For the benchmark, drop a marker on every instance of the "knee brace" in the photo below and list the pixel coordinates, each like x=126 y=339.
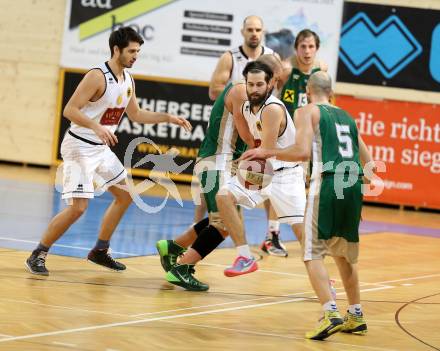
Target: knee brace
x=207 y=241
x=198 y=227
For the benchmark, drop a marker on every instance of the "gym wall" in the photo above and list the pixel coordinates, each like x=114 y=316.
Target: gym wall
x=30 y=41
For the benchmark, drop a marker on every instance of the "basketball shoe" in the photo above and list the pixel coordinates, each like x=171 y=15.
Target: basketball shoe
x=354 y=324
x=168 y=251
x=182 y=275
x=103 y=258
x=331 y=323
x=36 y=263
x=241 y=265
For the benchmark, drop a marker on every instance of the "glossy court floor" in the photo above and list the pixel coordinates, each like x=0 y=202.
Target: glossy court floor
x=82 y=307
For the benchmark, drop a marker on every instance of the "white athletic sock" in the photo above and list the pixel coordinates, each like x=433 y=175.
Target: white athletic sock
x=355 y=309
x=330 y=306
x=274 y=225
x=244 y=251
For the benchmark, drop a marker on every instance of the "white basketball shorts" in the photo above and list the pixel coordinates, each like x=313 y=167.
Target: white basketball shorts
x=85 y=165
x=286 y=193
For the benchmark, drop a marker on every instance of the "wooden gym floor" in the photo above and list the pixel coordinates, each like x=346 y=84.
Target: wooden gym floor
x=81 y=307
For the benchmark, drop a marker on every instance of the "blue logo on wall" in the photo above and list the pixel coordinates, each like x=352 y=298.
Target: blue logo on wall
x=434 y=62
x=390 y=46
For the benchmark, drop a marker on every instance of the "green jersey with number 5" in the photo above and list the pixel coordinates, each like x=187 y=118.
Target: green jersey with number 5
x=336 y=142
x=293 y=94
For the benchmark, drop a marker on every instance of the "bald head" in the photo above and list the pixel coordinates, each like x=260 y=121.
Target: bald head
x=273 y=62
x=320 y=83
x=252 y=20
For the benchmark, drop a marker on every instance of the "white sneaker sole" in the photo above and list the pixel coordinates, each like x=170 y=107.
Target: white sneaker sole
x=106 y=268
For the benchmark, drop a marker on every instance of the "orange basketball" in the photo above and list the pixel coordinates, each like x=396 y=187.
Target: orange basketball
x=255 y=174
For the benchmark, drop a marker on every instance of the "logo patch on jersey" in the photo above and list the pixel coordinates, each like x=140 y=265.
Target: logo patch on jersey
x=112 y=116
x=119 y=100
x=288 y=95
x=259 y=127
x=295 y=76
x=129 y=92
x=111 y=80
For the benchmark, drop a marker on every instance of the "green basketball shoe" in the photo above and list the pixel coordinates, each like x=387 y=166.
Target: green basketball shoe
x=182 y=275
x=168 y=251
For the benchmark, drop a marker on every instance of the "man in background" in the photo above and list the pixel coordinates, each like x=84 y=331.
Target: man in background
x=231 y=64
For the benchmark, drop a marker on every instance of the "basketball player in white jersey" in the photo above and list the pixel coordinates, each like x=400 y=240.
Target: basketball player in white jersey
x=270 y=124
x=95 y=109
x=230 y=68
x=231 y=64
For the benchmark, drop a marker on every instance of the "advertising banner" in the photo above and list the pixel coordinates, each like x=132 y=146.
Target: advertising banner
x=162 y=147
x=406 y=137
x=390 y=46
x=183 y=39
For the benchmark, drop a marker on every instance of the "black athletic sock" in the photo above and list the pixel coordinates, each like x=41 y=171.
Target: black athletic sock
x=102 y=244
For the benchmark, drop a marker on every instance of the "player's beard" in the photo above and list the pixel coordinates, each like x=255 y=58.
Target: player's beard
x=257 y=99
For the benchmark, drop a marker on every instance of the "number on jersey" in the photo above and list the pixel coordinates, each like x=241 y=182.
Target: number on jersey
x=345 y=143
x=302 y=99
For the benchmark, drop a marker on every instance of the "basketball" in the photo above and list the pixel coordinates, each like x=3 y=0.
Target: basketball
x=255 y=174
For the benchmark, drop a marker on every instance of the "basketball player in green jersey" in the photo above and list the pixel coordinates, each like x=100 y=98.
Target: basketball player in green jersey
x=220 y=148
x=334 y=203
x=304 y=63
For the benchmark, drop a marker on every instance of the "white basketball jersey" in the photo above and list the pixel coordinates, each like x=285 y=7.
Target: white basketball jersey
x=239 y=61
x=110 y=107
x=287 y=137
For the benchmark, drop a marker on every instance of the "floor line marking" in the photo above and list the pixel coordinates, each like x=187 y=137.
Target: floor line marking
x=66 y=246
x=148 y=320
x=221 y=304
x=259 y=270
x=218 y=265
x=64 y=307
x=411 y=278
x=247 y=300
x=285 y=273
x=274 y=335
x=371 y=289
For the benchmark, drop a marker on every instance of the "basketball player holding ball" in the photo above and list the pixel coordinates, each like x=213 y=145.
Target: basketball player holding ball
x=215 y=166
x=270 y=124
